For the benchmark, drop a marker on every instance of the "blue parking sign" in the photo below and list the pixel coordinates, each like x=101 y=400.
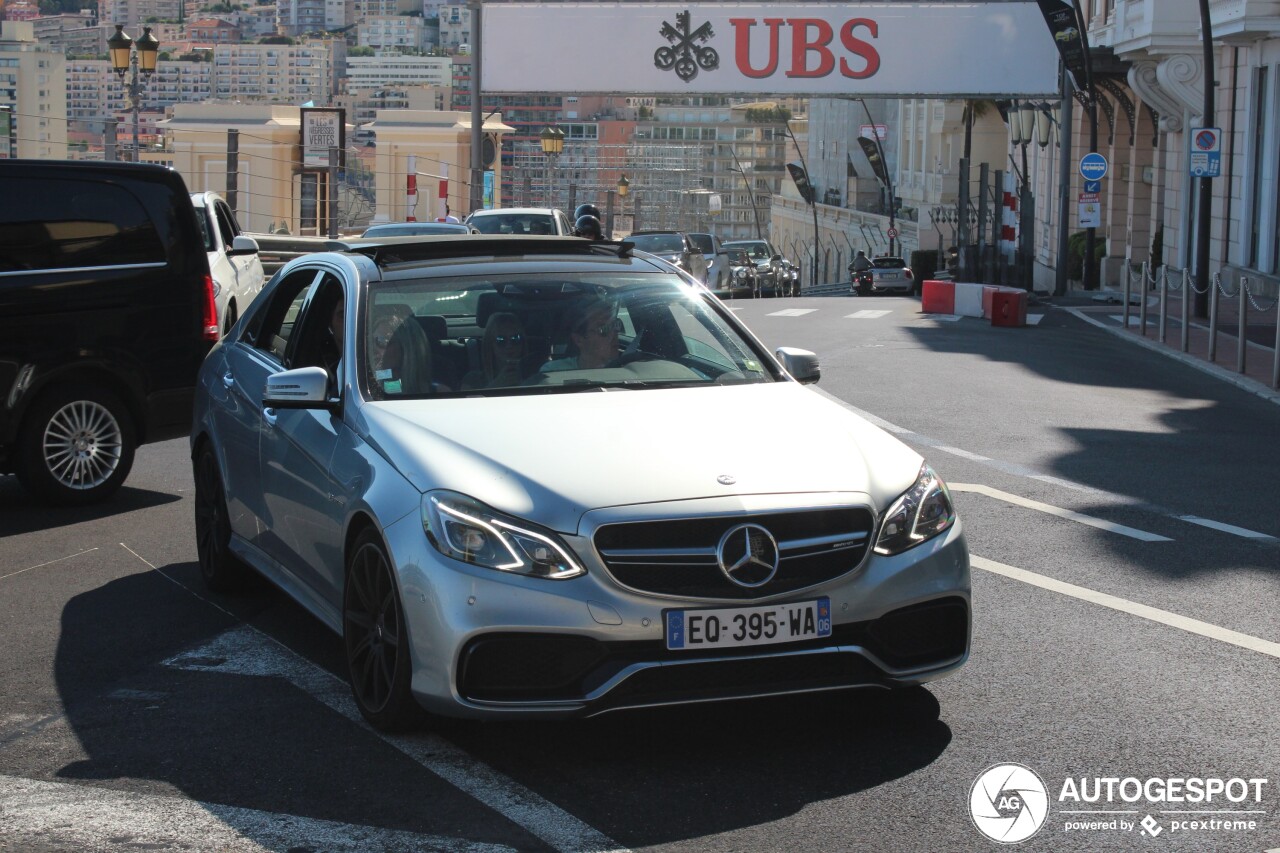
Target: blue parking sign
x=1094 y=187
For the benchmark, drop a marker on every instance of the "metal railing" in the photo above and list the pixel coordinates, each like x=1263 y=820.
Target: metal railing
x=1170 y=279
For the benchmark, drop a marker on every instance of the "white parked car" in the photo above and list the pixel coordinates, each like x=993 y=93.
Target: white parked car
x=522 y=221
x=233 y=258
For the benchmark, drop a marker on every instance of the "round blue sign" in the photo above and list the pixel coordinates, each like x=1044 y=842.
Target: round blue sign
x=1093 y=167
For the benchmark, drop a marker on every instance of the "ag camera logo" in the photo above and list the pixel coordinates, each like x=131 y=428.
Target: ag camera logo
x=1008 y=803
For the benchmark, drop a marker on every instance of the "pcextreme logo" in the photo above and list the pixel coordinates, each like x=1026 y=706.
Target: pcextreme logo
x=1009 y=803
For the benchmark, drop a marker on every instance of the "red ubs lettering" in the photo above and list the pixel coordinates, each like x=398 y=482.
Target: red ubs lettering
x=808 y=36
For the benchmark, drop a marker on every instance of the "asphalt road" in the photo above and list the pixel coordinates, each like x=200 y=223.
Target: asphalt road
x=1121 y=510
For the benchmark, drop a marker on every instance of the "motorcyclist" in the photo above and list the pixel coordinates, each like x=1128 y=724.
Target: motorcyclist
x=860 y=263
x=587 y=209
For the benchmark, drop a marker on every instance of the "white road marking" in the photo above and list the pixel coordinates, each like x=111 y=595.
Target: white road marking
x=795 y=312
x=37 y=813
x=243 y=651
x=963 y=453
x=1034 y=319
x=1164 y=617
x=867 y=314
x=1225 y=528
x=1071 y=515
x=1133 y=320
x=50 y=563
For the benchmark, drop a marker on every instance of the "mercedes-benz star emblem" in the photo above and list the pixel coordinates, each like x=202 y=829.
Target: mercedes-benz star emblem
x=748 y=555
x=726 y=479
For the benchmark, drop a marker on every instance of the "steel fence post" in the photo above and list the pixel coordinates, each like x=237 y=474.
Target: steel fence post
x=1213 y=318
x=1124 y=295
x=1186 y=295
x=1142 y=308
x=1243 y=327
x=1164 y=304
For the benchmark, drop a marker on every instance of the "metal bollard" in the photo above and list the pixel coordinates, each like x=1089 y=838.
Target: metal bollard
x=1142 y=308
x=1213 y=318
x=1186 y=298
x=1243 y=328
x=1124 y=296
x=1164 y=302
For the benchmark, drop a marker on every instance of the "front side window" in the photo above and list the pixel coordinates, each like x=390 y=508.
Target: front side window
x=547 y=333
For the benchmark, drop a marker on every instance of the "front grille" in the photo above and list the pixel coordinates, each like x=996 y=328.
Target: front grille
x=678 y=557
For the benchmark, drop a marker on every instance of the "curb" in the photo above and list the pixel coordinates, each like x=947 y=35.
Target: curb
x=1243 y=382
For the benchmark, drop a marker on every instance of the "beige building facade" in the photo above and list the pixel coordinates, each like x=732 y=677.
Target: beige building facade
x=33 y=84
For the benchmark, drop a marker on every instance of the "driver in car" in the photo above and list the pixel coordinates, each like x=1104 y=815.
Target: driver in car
x=593 y=336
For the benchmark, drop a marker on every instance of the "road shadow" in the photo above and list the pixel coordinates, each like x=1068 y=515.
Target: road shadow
x=249 y=748
x=21 y=513
x=665 y=775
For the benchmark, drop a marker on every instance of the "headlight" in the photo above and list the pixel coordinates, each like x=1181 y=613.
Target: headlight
x=467 y=530
x=922 y=512
x=740 y=273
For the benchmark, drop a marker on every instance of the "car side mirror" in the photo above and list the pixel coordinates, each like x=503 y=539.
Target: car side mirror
x=800 y=363
x=300 y=388
x=242 y=245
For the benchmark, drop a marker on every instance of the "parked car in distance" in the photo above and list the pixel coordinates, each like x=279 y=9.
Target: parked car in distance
x=107 y=310
x=718 y=273
x=522 y=221
x=675 y=247
x=233 y=258
x=742 y=275
x=766 y=258
x=415 y=229
x=887 y=275
x=486 y=549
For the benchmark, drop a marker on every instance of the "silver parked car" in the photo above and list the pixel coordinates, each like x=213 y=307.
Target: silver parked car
x=471 y=458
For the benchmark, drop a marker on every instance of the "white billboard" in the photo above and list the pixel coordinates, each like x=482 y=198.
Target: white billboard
x=991 y=49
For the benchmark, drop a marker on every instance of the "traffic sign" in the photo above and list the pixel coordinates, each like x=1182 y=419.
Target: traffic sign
x=1206 y=152
x=892 y=232
x=1093 y=167
x=1093 y=186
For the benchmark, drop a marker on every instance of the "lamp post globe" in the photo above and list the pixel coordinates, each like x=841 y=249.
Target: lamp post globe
x=120 y=46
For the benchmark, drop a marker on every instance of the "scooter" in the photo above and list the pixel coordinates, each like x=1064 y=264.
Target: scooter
x=861 y=281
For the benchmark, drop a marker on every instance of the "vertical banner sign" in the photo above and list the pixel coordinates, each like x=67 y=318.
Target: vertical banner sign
x=6 y=133
x=488 y=198
x=1061 y=18
x=442 y=194
x=322 y=129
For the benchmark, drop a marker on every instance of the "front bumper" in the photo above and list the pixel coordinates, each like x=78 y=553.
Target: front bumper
x=491 y=645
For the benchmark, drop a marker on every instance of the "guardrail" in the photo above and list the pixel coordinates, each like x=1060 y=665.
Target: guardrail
x=276 y=250
x=1242 y=292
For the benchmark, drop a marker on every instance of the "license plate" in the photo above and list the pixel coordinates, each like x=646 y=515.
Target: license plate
x=762 y=625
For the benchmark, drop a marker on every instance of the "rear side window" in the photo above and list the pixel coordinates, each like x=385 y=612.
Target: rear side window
x=69 y=224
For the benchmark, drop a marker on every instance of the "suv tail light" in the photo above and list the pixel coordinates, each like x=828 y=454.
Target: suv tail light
x=209 y=328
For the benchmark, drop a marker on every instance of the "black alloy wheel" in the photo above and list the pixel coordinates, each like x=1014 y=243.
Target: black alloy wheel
x=221 y=570
x=376 y=641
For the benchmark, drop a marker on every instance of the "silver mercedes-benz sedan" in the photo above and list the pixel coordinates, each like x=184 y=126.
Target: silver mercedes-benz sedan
x=478 y=460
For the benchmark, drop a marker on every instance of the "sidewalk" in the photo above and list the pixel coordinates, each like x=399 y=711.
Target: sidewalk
x=1105 y=309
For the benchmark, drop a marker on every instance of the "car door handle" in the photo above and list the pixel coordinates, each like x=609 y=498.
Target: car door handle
x=228 y=380
x=269 y=415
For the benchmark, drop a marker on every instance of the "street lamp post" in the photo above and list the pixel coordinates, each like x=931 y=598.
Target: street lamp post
x=128 y=56
x=812 y=199
x=552 y=144
x=751 y=196
x=623 y=187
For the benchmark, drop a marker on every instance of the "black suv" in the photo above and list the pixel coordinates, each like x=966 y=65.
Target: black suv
x=106 y=312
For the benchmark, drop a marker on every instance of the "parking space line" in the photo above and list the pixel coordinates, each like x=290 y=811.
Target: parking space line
x=1225 y=528
x=1049 y=509
x=963 y=453
x=867 y=314
x=39 y=812
x=1034 y=319
x=246 y=651
x=1164 y=617
x=50 y=563
x=794 y=312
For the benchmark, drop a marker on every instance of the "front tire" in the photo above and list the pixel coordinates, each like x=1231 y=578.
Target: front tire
x=221 y=570
x=76 y=446
x=377 y=644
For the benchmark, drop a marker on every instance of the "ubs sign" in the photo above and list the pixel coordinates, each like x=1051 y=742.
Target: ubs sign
x=885 y=49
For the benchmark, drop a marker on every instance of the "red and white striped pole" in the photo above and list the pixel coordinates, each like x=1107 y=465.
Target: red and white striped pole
x=442 y=199
x=1009 y=220
x=411 y=189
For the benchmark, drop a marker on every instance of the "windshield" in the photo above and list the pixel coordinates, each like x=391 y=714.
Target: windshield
x=514 y=223
x=755 y=249
x=658 y=244
x=703 y=242
x=547 y=333
x=888 y=263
